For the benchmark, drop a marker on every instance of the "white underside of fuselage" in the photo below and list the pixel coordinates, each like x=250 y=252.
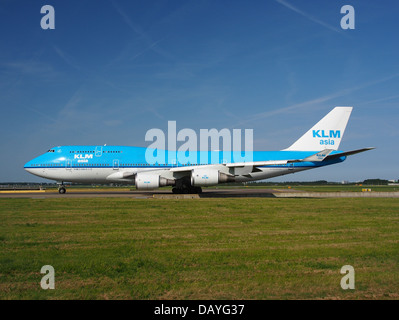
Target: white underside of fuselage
x=110 y=175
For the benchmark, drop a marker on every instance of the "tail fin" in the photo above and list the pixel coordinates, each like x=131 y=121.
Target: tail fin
x=325 y=134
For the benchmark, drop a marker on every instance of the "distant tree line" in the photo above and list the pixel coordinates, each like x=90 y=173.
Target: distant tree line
x=376 y=182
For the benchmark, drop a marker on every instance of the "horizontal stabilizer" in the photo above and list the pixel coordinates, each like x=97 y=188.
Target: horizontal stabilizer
x=348 y=153
x=320 y=156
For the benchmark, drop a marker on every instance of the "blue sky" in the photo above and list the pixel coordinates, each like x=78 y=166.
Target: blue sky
x=113 y=69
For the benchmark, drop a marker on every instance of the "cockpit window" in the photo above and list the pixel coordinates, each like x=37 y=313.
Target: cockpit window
x=51 y=150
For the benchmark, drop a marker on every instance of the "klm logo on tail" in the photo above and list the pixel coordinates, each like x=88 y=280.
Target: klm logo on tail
x=328 y=135
x=325 y=134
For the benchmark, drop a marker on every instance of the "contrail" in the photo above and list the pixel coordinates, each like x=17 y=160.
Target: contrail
x=308 y=16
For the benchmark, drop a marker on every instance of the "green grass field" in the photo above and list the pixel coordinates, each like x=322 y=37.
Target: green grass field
x=247 y=248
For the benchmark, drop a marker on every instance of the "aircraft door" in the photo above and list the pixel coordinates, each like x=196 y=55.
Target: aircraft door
x=116 y=164
x=69 y=165
x=99 y=151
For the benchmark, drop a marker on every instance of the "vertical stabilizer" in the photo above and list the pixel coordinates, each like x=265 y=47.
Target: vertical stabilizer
x=325 y=134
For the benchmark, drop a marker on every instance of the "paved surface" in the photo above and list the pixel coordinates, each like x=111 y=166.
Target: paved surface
x=209 y=193
x=164 y=194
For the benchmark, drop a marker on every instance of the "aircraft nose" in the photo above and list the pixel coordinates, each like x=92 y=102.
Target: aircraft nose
x=31 y=164
x=28 y=166
x=31 y=168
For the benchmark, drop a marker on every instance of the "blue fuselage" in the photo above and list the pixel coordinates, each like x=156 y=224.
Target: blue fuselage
x=96 y=163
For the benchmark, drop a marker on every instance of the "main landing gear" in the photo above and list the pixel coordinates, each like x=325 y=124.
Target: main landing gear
x=187 y=190
x=183 y=186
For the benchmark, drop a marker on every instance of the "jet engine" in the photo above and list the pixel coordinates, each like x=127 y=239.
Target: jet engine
x=148 y=181
x=208 y=177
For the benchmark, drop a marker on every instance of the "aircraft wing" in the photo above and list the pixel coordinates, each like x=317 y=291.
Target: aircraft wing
x=258 y=163
x=319 y=156
x=323 y=155
x=120 y=175
x=189 y=168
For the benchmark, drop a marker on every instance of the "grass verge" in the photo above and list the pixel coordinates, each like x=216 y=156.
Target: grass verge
x=118 y=248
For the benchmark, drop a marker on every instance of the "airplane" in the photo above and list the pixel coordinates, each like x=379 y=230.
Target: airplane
x=318 y=147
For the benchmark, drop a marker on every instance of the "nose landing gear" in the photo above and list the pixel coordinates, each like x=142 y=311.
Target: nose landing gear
x=61 y=188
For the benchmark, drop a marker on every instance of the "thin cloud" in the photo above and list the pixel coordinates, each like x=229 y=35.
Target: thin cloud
x=128 y=21
x=150 y=44
x=308 y=16
x=42 y=114
x=64 y=56
x=150 y=47
x=28 y=68
x=308 y=103
x=316 y=101
x=381 y=99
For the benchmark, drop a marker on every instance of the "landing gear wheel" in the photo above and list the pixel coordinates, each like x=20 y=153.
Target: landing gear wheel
x=62 y=190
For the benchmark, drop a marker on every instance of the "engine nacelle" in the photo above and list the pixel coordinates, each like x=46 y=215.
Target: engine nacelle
x=209 y=177
x=148 y=181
